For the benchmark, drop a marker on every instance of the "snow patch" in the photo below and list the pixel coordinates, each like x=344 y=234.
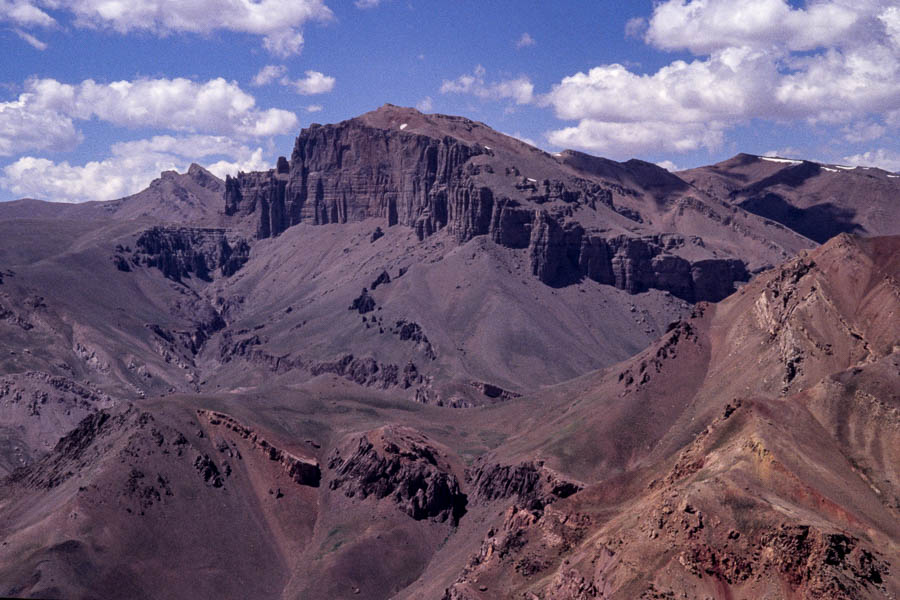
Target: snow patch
x=894 y=176
x=789 y=161
x=829 y=170
x=531 y=180
x=845 y=167
x=402 y=127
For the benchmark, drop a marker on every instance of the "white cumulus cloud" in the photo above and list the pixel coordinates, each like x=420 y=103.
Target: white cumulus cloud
x=425 y=105
x=314 y=83
x=636 y=138
x=25 y=127
x=832 y=61
x=889 y=160
x=130 y=167
x=668 y=165
x=24 y=13
x=278 y=22
x=268 y=74
x=520 y=89
x=703 y=26
x=43 y=116
x=525 y=40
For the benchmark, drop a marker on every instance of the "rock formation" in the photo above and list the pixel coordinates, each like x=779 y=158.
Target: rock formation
x=182 y=252
x=355 y=170
x=403 y=465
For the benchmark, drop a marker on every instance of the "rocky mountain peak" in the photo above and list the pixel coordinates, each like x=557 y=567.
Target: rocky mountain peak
x=204 y=177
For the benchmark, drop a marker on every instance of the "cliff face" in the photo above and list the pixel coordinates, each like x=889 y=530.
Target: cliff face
x=187 y=251
x=349 y=172
x=430 y=180
x=564 y=253
x=404 y=466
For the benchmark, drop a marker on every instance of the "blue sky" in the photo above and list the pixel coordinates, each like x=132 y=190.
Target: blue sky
x=98 y=96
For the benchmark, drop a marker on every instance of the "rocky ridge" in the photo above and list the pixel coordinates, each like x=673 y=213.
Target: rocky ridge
x=403 y=465
x=436 y=181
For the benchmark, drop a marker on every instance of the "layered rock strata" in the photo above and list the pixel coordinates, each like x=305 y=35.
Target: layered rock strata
x=185 y=252
x=353 y=171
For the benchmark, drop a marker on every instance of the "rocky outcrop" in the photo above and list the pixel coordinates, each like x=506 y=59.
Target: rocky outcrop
x=300 y=469
x=404 y=466
x=382 y=279
x=36 y=410
x=350 y=171
x=190 y=252
x=562 y=253
x=531 y=484
x=494 y=392
x=412 y=331
x=69 y=452
x=363 y=303
x=368 y=372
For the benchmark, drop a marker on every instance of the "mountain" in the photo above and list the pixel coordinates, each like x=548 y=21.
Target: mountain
x=459 y=235
x=191 y=197
x=678 y=471
x=579 y=216
x=421 y=358
x=816 y=200
x=750 y=452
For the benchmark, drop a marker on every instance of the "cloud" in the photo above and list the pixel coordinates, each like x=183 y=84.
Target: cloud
x=703 y=26
x=636 y=138
x=525 y=40
x=367 y=3
x=425 y=105
x=729 y=85
x=521 y=90
x=130 y=167
x=863 y=132
x=635 y=27
x=891 y=20
x=786 y=152
x=832 y=62
x=314 y=83
x=284 y=43
x=43 y=117
x=279 y=22
x=268 y=74
x=314 y=108
x=25 y=127
x=668 y=165
x=889 y=160
x=31 y=40
x=24 y=13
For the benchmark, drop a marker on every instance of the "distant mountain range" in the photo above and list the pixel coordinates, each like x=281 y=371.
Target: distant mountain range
x=423 y=359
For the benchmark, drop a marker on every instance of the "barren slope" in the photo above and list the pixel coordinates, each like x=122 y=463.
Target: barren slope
x=772 y=475
x=816 y=200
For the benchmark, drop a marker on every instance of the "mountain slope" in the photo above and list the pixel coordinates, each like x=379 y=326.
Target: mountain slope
x=816 y=200
x=191 y=197
x=680 y=470
x=744 y=484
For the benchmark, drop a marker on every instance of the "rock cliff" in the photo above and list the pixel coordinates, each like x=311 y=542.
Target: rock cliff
x=182 y=252
x=444 y=176
x=403 y=465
